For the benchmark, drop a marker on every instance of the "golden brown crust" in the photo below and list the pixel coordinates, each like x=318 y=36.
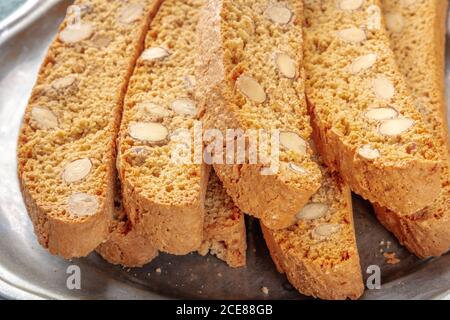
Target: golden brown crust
x=272 y=198
x=161 y=223
x=127 y=247
x=427 y=232
x=71 y=238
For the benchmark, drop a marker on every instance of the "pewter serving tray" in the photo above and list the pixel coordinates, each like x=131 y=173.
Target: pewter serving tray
x=29 y=271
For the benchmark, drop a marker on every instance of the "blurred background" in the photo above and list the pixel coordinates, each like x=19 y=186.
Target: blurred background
x=9 y=6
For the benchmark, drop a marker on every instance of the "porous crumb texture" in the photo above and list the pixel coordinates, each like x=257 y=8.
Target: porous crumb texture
x=250 y=77
x=161 y=196
x=318 y=254
x=368 y=127
x=66 y=144
x=224 y=231
x=420 y=24
x=125 y=246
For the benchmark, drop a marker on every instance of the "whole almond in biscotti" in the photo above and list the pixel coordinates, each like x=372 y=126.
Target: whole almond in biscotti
x=350 y=4
x=131 y=13
x=76 y=170
x=66 y=148
x=155 y=53
x=82 y=204
x=250 y=77
x=369 y=153
x=286 y=65
x=313 y=211
x=363 y=63
x=352 y=35
x=44 y=118
x=163 y=184
x=358 y=97
x=76 y=32
x=148 y=131
x=422 y=25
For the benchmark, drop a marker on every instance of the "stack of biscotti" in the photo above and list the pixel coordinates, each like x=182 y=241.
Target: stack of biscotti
x=224 y=233
x=318 y=251
x=417 y=33
x=66 y=146
x=367 y=126
x=164 y=199
x=248 y=80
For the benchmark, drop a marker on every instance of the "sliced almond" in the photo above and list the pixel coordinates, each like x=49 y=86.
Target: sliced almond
x=296 y=168
x=369 y=153
x=407 y=3
x=130 y=13
x=379 y=114
x=352 y=35
x=286 y=65
x=184 y=107
x=394 y=21
x=155 y=53
x=395 y=127
x=82 y=204
x=44 y=118
x=76 y=170
x=148 y=131
x=64 y=82
x=101 y=40
x=76 y=32
x=278 y=13
x=292 y=141
x=251 y=89
x=363 y=63
x=325 y=231
x=153 y=109
x=313 y=211
x=373 y=17
x=350 y=4
x=383 y=88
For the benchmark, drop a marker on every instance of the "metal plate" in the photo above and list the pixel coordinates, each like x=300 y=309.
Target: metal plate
x=28 y=271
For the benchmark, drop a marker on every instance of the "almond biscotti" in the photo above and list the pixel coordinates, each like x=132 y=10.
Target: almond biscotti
x=164 y=195
x=417 y=32
x=249 y=77
x=66 y=145
x=367 y=125
x=224 y=234
x=319 y=254
x=224 y=230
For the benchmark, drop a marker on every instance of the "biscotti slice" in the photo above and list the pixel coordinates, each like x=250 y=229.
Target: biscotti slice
x=162 y=194
x=367 y=125
x=250 y=78
x=319 y=254
x=224 y=231
x=417 y=33
x=224 y=234
x=66 y=146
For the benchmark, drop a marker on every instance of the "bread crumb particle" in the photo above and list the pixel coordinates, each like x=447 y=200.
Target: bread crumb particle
x=391 y=258
x=158 y=270
x=265 y=290
x=219 y=275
